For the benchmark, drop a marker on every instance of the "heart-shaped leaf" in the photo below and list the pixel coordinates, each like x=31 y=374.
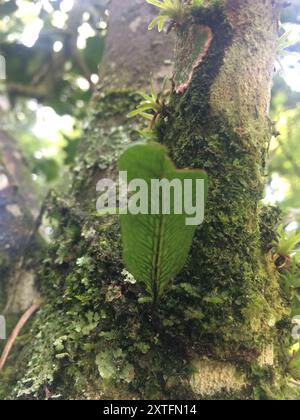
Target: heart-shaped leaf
x=156 y=246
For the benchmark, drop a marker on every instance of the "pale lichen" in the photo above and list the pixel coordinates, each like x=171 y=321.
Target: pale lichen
x=214 y=378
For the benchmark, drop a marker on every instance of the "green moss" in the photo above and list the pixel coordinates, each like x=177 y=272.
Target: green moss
x=270 y=218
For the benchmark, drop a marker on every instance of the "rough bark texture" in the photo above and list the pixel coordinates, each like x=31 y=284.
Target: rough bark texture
x=221 y=329
x=18 y=210
x=131 y=57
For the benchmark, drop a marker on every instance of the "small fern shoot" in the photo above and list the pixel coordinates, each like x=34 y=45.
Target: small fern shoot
x=288 y=242
x=287 y=249
x=284 y=42
x=173 y=11
x=153 y=106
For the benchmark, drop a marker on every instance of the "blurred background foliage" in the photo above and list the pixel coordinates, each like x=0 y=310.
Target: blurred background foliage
x=53 y=49
x=284 y=169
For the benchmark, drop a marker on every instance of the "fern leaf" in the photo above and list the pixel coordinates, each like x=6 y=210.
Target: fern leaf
x=159 y=4
x=288 y=242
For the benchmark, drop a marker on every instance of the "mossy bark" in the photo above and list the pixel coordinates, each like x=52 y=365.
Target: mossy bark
x=219 y=331
x=221 y=124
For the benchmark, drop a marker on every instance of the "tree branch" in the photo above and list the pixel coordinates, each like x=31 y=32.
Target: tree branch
x=16 y=332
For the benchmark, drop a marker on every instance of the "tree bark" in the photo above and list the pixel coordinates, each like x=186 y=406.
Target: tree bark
x=221 y=124
x=18 y=210
x=219 y=332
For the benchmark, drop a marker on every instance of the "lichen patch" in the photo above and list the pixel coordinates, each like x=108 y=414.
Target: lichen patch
x=267 y=356
x=212 y=378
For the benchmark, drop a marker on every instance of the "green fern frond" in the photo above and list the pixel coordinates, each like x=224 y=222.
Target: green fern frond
x=170 y=10
x=153 y=105
x=197 y=3
x=284 y=42
x=287 y=244
x=291 y=277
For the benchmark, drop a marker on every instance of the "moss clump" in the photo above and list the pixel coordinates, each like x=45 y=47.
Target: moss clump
x=270 y=218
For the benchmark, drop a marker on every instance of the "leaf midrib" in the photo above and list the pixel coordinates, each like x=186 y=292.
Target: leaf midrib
x=158 y=246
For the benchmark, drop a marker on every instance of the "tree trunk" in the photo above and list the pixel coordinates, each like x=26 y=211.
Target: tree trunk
x=219 y=332
x=18 y=210
x=221 y=124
